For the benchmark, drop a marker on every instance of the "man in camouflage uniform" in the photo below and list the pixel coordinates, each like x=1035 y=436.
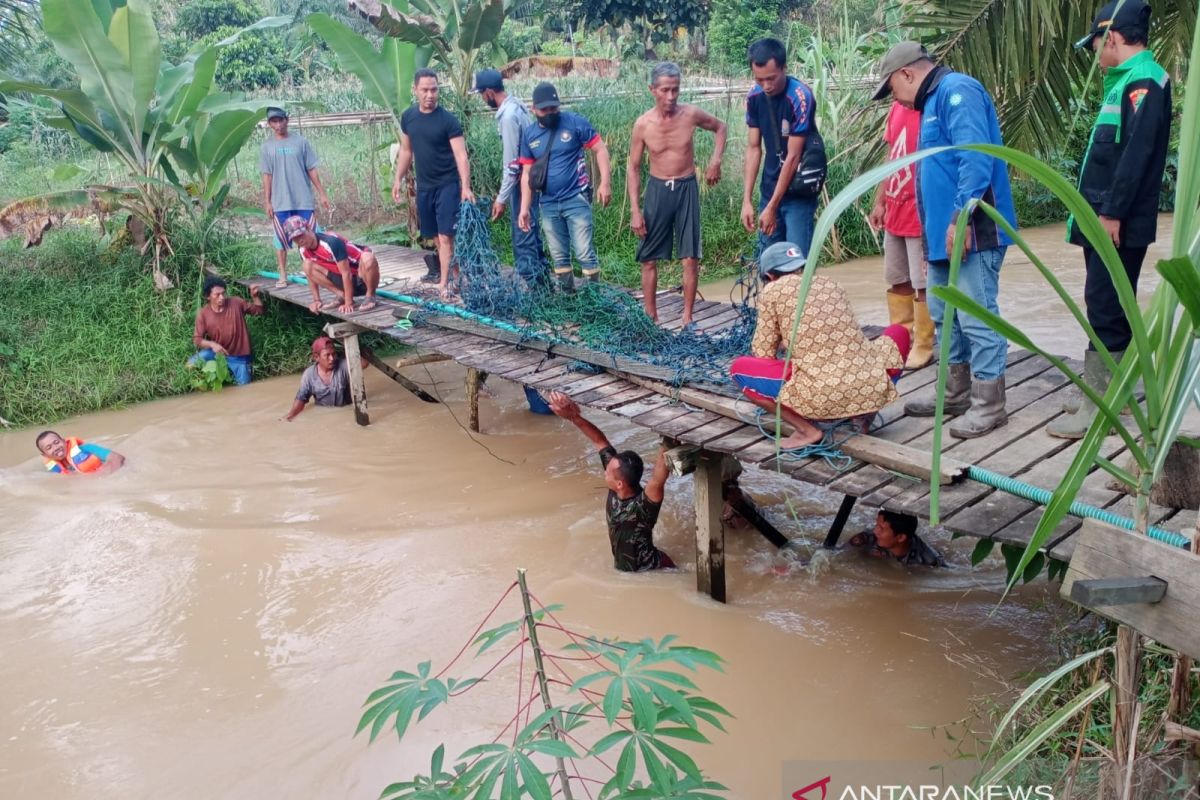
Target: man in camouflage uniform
x=631 y=510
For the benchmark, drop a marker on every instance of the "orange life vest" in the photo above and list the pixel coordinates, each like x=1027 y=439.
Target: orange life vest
x=76 y=461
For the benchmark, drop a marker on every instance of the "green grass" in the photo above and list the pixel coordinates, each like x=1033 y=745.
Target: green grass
x=84 y=329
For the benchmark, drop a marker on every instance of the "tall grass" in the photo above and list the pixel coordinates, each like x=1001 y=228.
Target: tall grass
x=84 y=329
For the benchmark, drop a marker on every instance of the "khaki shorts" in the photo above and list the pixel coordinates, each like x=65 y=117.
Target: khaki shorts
x=903 y=260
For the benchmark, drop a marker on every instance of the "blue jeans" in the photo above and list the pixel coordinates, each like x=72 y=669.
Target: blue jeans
x=529 y=259
x=567 y=225
x=971 y=341
x=239 y=366
x=794 y=223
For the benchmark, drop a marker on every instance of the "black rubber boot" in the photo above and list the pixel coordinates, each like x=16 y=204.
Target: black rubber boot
x=433 y=269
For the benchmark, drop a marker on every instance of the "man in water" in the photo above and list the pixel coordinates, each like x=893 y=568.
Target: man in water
x=333 y=262
x=73 y=456
x=630 y=509
x=553 y=148
x=1121 y=178
x=667 y=133
x=327 y=379
x=512 y=117
x=433 y=137
x=288 y=164
x=895 y=536
x=221 y=328
x=956 y=109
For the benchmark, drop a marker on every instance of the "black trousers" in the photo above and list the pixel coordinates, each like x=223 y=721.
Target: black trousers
x=1104 y=310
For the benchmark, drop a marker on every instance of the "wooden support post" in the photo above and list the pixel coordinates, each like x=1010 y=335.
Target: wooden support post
x=681 y=460
x=474 y=381
x=358 y=388
x=1180 y=704
x=710 y=530
x=839 y=522
x=1125 y=694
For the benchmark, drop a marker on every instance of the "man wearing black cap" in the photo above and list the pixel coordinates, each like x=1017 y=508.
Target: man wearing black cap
x=555 y=168
x=511 y=118
x=957 y=110
x=433 y=137
x=288 y=165
x=1121 y=178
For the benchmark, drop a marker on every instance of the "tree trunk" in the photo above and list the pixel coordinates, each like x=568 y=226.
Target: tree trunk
x=1125 y=695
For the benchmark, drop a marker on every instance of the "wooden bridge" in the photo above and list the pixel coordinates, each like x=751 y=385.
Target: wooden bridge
x=706 y=420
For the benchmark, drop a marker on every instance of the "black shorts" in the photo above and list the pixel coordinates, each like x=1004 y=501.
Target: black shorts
x=437 y=209
x=672 y=212
x=335 y=277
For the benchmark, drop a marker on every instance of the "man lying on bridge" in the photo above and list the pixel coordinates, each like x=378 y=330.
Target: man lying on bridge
x=73 y=456
x=327 y=379
x=835 y=372
x=631 y=510
x=333 y=262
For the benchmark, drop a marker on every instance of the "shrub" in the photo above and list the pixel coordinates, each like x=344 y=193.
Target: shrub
x=735 y=24
x=198 y=18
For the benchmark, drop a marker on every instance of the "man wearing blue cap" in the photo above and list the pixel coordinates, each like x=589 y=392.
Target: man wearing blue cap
x=288 y=164
x=1121 y=178
x=511 y=117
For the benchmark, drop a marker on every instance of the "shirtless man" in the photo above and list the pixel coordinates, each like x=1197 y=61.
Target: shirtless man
x=672 y=194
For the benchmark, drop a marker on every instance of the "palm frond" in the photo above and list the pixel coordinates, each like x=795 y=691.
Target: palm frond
x=1023 y=52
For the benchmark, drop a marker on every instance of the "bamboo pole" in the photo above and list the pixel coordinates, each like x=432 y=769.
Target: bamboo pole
x=543 y=685
x=474 y=381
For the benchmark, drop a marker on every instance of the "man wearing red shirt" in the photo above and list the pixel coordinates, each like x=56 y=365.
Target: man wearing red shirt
x=336 y=264
x=895 y=213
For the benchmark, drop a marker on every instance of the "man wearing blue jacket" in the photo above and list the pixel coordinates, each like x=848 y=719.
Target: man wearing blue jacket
x=957 y=110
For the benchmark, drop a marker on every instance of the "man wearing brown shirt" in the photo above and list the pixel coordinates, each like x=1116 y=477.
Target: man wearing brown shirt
x=221 y=328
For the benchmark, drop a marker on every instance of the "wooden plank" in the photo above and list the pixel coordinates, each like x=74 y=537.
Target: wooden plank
x=1105 y=551
x=1124 y=591
x=358 y=388
x=621 y=398
x=638 y=407
x=677 y=427
x=424 y=358
x=710 y=530
x=707 y=432
x=655 y=418
x=386 y=369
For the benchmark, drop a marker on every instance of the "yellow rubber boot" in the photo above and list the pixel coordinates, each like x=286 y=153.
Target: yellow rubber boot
x=923 y=336
x=900 y=309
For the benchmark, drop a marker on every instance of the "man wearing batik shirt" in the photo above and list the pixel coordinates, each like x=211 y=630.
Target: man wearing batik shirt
x=630 y=509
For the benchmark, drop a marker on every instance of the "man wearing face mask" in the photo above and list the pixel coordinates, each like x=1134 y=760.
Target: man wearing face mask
x=555 y=169
x=957 y=110
x=511 y=118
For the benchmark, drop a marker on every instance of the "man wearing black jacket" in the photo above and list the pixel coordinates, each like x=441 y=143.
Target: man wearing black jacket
x=1121 y=178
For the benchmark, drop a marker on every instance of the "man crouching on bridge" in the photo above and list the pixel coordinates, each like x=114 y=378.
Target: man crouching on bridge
x=631 y=510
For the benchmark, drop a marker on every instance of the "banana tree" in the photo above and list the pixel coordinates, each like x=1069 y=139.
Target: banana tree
x=163 y=122
x=386 y=74
x=451 y=31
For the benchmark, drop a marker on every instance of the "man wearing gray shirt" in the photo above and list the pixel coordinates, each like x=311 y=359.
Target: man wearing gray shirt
x=529 y=258
x=327 y=379
x=288 y=164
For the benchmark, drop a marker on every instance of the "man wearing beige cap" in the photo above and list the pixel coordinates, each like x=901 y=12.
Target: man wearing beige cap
x=957 y=110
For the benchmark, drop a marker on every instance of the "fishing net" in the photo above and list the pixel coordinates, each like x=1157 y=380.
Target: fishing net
x=597 y=316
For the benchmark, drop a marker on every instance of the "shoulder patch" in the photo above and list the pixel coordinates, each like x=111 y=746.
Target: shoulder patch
x=956 y=99
x=1136 y=96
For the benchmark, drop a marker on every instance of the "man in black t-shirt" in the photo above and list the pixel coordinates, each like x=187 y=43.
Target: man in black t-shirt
x=434 y=137
x=631 y=510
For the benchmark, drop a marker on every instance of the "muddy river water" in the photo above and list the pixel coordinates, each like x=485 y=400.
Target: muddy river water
x=207 y=622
